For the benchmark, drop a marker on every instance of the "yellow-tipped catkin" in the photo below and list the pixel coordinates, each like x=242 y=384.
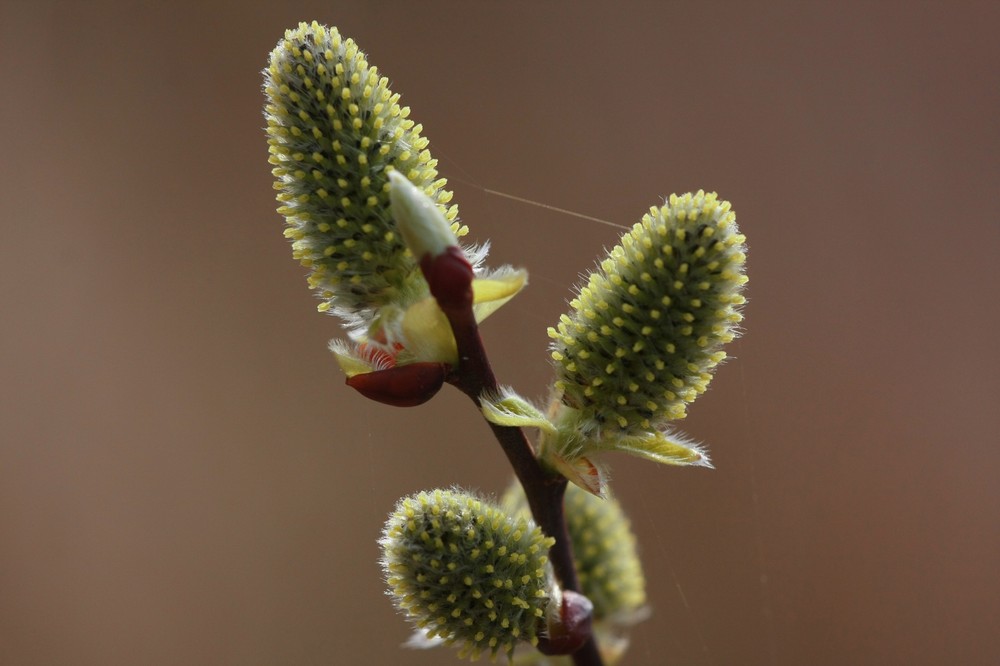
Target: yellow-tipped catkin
x=466 y=572
x=646 y=330
x=335 y=130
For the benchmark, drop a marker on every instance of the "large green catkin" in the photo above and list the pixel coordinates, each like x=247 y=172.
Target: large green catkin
x=467 y=572
x=645 y=331
x=334 y=131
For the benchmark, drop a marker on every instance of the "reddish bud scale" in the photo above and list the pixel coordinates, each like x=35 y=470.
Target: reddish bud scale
x=573 y=628
x=449 y=276
x=402 y=386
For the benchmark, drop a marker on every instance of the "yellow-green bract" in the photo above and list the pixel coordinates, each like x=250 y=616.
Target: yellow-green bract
x=466 y=572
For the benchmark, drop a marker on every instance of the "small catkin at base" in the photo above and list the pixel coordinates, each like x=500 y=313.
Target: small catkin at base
x=466 y=572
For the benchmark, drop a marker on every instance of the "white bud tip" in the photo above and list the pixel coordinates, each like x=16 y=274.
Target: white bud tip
x=424 y=227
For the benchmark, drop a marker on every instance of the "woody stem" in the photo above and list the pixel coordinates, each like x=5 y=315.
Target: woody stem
x=544 y=489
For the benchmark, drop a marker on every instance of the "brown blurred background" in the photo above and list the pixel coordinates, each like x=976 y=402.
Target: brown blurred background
x=184 y=479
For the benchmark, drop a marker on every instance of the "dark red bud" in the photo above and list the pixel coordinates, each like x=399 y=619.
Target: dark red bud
x=572 y=630
x=449 y=276
x=402 y=386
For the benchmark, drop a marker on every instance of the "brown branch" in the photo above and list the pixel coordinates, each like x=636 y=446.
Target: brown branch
x=543 y=489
